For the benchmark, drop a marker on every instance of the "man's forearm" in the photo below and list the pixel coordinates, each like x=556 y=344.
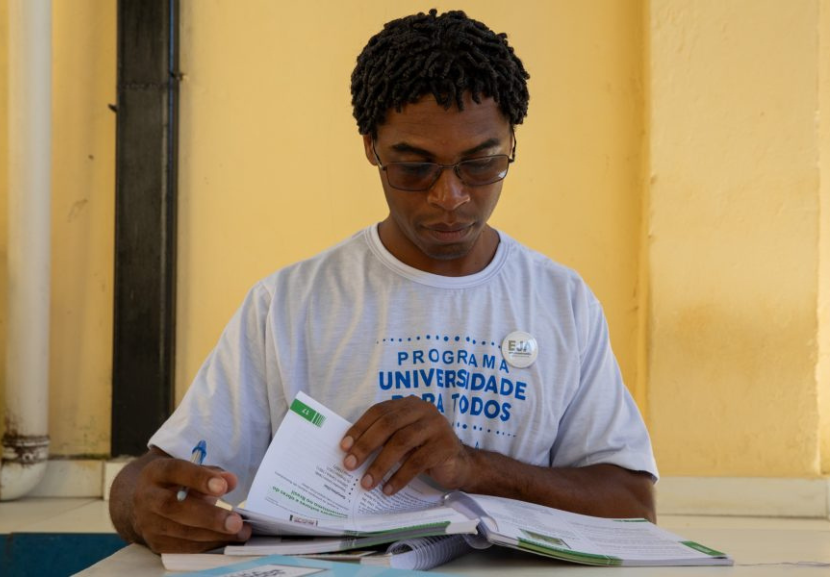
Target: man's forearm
x=599 y=490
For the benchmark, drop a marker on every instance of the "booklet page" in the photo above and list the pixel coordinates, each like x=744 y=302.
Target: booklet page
x=517 y=522
x=302 y=480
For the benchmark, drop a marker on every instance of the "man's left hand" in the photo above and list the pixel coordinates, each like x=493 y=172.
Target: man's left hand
x=411 y=432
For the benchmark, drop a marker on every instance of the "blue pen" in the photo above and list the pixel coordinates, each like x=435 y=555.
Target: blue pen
x=197 y=456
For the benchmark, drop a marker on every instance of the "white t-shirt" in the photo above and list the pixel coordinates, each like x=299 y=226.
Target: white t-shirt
x=353 y=326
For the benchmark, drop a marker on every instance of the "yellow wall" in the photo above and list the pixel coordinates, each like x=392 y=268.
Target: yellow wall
x=4 y=205
x=83 y=181
x=272 y=166
x=672 y=154
x=83 y=193
x=823 y=366
x=733 y=241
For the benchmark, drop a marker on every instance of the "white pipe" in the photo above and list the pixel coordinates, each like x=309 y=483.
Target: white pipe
x=26 y=441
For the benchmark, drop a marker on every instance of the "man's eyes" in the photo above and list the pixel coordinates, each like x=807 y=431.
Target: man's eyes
x=415 y=168
x=479 y=164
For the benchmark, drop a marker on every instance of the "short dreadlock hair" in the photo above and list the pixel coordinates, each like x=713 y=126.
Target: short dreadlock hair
x=445 y=56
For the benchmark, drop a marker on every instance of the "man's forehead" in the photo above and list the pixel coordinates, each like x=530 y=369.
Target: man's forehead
x=427 y=115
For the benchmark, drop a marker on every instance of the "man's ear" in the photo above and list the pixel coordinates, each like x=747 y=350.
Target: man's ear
x=367 y=148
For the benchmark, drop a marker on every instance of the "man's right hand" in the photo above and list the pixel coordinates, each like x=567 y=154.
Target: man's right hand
x=144 y=507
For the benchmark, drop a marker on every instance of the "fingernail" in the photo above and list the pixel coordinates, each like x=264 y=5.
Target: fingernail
x=233 y=524
x=346 y=443
x=366 y=481
x=350 y=462
x=216 y=485
x=387 y=489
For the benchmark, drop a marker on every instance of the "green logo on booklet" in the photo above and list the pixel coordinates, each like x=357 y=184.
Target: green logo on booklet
x=308 y=413
x=703 y=549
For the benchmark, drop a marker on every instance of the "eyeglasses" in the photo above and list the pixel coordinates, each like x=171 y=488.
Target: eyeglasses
x=420 y=176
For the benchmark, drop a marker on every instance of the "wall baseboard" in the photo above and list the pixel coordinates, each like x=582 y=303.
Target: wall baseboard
x=733 y=496
x=744 y=496
x=67 y=478
x=70 y=478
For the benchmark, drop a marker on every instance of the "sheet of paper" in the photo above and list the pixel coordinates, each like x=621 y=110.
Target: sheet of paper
x=302 y=480
x=272 y=570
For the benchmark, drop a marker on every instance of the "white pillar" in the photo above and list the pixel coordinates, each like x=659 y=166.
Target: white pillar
x=25 y=443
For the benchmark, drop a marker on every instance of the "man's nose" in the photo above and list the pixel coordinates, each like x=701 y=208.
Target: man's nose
x=448 y=192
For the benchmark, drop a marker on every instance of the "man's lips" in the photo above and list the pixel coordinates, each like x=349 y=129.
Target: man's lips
x=448 y=233
x=443 y=227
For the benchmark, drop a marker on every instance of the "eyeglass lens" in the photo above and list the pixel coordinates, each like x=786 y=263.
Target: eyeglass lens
x=472 y=172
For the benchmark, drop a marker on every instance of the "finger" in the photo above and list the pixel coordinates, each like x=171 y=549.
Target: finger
x=377 y=426
x=418 y=461
x=397 y=450
x=210 y=499
x=172 y=528
x=213 y=499
x=180 y=473
x=234 y=529
x=231 y=479
x=405 y=407
x=193 y=513
x=363 y=423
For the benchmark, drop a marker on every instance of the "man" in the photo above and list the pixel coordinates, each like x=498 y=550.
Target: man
x=457 y=352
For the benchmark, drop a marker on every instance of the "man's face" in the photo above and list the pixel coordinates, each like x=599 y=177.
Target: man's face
x=441 y=230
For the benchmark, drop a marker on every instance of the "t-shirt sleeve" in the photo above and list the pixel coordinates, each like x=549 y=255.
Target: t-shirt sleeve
x=227 y=404
x=602 y=423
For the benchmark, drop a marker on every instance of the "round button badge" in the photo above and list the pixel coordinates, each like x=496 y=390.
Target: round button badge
x=520 y=349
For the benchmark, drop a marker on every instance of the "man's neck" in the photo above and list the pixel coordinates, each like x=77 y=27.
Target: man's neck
x=476 y=260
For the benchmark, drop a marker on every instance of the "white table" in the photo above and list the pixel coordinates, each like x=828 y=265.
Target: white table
x=762 y=550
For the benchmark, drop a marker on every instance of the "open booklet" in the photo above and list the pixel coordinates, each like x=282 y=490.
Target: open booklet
x=302 y=489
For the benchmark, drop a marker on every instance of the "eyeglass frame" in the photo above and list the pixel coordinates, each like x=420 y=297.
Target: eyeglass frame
x=511 y=158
